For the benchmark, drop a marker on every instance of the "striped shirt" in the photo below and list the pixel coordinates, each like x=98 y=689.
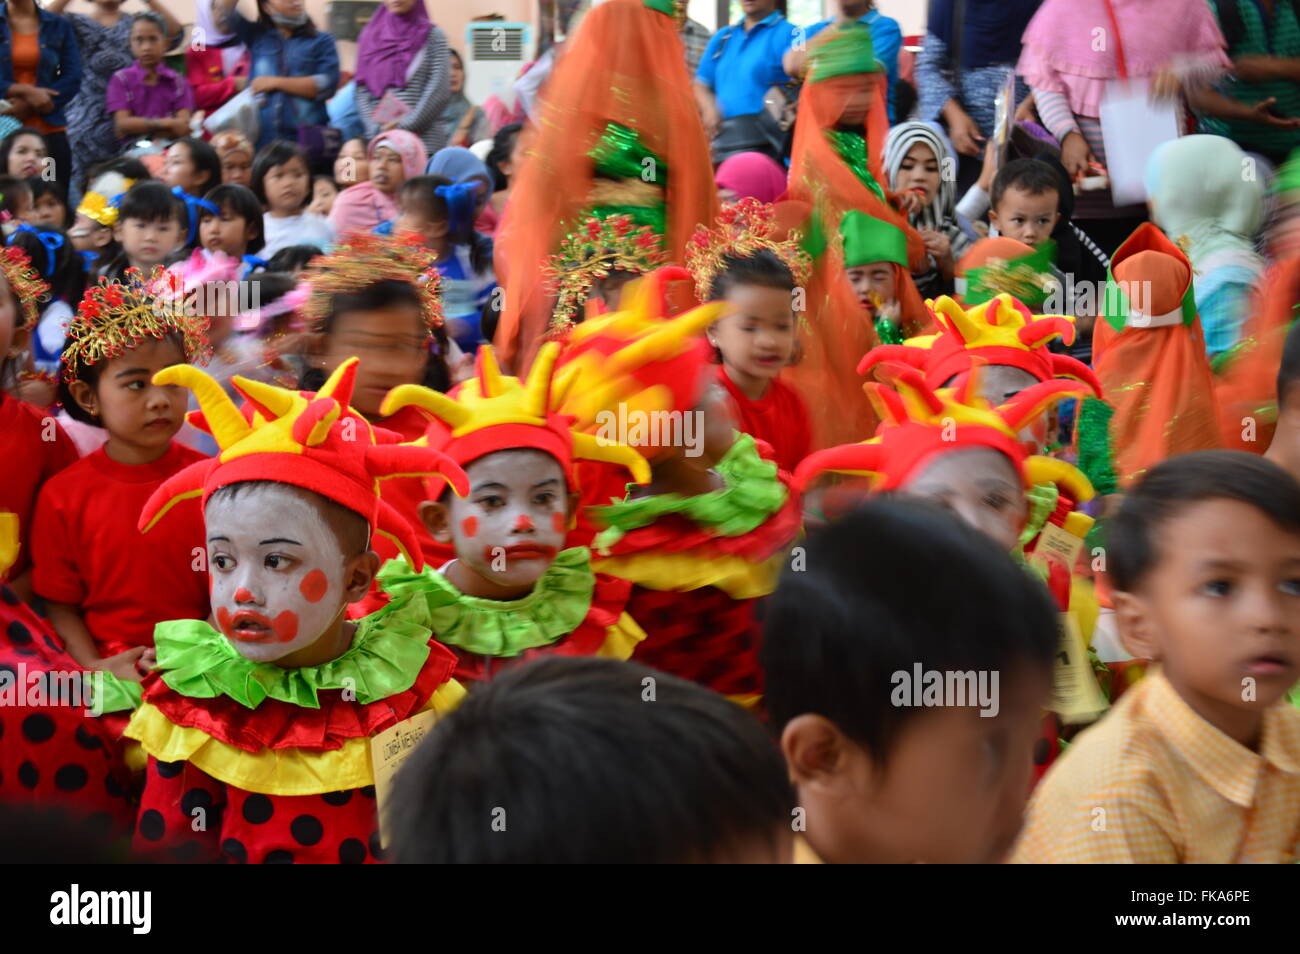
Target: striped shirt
x=1153 y=783
x=1279 y=36
x=426 y=91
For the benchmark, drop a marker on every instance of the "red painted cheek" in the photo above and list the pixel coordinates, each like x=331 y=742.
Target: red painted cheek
x=223 y=619
x=285 y=626
x=314 y=586
x=558 y=523
x=469 y=526
x=243 y=596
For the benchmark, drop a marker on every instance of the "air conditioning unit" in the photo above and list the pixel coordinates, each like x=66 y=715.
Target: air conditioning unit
x=495 y=53
x=347 y=18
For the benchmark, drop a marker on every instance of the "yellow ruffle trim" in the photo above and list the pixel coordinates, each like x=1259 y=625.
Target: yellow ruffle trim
x=682 y=572
x=270 y=771
x=621 y=639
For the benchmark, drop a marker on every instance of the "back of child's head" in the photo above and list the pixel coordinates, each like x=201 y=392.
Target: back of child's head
x=238 y=200
x=293 y=258
x=55 y=260
x=47 y=191
x=127 y=166
x=436 y=198
x=151 y=201
x=15 y=195
x=418 y=196
x=763 y=268
x=892 y=585
x=1173 y=486
x=1032 y=176
x=586 y=760
x=276 y=153
x=1288 y=372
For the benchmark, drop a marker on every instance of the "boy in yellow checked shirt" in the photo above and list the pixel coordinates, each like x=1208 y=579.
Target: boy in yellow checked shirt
x=1200 y=761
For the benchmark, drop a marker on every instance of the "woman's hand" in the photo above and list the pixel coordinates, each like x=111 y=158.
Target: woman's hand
x=1027 y=112
x=1075 y=155
x=911 y=202
x=265 y=84
x=966 y=136
x=1261 y=112
x=940 y=247
x=38 y=98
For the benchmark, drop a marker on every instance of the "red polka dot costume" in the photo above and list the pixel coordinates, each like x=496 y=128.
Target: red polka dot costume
x=250 y=762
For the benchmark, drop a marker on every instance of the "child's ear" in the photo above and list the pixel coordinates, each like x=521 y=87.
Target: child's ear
x=117 y=231
x=1136 y=632
x=359 y=574
x=85 y=397
x=440 y=229
x=102 y=237
x=815 y=751
x=993 y=219
x=19 y=342
x=436 y=518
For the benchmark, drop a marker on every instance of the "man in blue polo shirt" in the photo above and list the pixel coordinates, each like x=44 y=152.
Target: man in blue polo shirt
x=886 y=39
x=740 y=63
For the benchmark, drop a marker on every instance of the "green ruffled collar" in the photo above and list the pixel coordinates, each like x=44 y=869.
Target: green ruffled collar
x=852 y=148
x=387 y=653
x=557 y=605
x=751 y=493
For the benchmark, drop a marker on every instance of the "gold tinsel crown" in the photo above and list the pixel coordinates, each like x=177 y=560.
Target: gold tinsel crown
x=115 y=317
x=363 y=259
x=741 y=230
x=591 y=252
x=24 y=282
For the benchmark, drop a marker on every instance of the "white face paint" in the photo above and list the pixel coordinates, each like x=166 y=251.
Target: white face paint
x=276 y=568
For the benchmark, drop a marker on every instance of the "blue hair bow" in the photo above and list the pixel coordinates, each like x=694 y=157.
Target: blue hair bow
x=88 y=259
x=52 y=241
x=253 y=263
x=190 y=202
x=461 y=198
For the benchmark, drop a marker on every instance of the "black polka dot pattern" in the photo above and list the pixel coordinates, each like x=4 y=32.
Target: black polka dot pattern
x=352 y=852
x=87 y=739
x=170 y=769
x=151 y=827
x=38 y=727
x=196 y=798
x=71 y=778
x=306 y=830
x=258 y=809
x=279 y=857
x=375 y=851
x=234 y=849
x=338 y=799
x=28 y=775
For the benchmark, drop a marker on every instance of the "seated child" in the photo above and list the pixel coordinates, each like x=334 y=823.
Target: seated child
x=235 y=229
x=49 y=204
x=1025 y=201
x=740 y=262
x=441 y=213
x=324 y=190
x=236 y=155
x=15 y=202
x=106 y=585
x=192 y=166
x=261 y=726
x=151 y=226
x=512 y=589
x=92 y=230
x=149 y=100
x=1197 y=762
x=59 y=266
x=641 y=768
x=886 y=770
x=282 y=183
x=875 y=262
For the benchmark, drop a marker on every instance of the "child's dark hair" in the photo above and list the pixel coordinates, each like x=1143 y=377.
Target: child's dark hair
x=1288 y=372
x=8 y=142
x=587 y=770
x=148 y=201
x=265 y=22
x=90 y=373
x=866 y=605
x=1028 y=175
x=240 y=201
x=351 y=530
x=205 y=159
x=762 y=268
x=503 y=146
x=377 y=297
x=130 y=168
x=1179 y=482
x=293 y=258
x=273 y=154
x=11 y=187
x=40 y=188
x=422 y=192
x=149 y=16
x=59 y=266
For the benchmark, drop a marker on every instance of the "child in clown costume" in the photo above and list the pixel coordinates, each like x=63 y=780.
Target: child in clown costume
x=707 y=534
x=875 y=263
x=513 y=589
x=952 y=447
x=260 y=726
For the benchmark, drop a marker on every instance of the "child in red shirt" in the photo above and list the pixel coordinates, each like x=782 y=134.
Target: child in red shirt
x=740 y=261
x=32 y=446
x=106 y=585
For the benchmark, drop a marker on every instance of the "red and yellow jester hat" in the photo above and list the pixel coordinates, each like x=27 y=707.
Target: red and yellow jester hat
x=919 y=423
x=1001 y=331
x=638 y=359
x=494 y=412
x=304 y=440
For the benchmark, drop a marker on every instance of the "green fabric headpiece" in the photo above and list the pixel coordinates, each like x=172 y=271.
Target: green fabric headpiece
x=666 y=7
x=1027 y=278
x=1288 y=176
x=620 y=154
x=848 y=51
x=868 y=240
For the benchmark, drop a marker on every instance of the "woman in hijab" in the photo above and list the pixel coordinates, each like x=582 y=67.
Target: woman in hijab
x=461 y=123
x=754 y=175
x=1200 y=198
x=393 y=157
x=919 y=166
x=401 y=53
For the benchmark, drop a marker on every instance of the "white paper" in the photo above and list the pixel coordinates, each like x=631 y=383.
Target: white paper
x=239 y=112
x=1132 y=126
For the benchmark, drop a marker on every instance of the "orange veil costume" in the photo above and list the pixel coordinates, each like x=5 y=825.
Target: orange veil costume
x=624 y=66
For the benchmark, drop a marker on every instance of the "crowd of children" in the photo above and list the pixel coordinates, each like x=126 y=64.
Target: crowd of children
x=821 y=514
